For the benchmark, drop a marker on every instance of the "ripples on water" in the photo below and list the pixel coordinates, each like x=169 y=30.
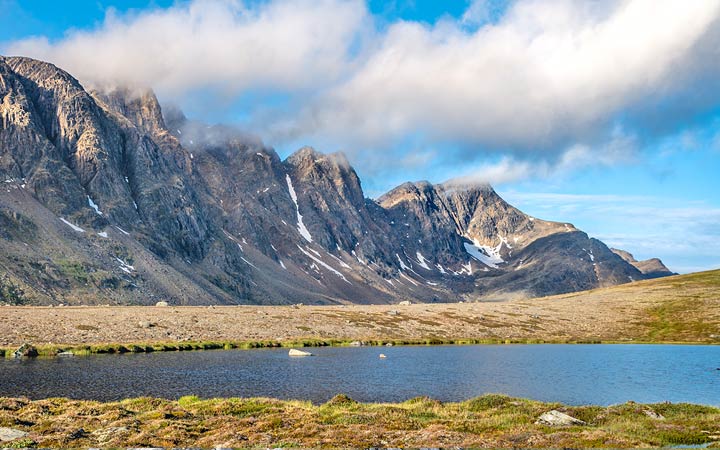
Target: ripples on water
x=572 y=374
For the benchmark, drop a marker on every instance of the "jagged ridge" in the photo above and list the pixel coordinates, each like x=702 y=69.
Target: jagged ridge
x=105 y=202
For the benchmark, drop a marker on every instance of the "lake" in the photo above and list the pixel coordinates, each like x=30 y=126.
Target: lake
x=572 y=374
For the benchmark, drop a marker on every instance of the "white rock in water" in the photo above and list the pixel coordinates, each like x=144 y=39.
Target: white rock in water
x=10 y=434
x=557 y=418
x=295 y=352
x=162 y=304
x=382 y=356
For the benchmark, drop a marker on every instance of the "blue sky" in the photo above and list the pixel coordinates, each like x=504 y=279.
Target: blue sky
x=603 y=114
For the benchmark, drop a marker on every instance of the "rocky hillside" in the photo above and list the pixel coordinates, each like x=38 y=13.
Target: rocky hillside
x=106 y=200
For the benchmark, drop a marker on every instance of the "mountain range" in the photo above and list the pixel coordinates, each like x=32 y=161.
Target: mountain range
x=105 y=199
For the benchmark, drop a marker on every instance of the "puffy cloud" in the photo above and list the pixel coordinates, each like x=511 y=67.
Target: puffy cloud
x=547 y=83
x=226 y=45
x=549 y=72
x=621 y=148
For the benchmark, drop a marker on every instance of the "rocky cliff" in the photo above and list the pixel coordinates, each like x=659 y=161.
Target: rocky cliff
x=106 y=200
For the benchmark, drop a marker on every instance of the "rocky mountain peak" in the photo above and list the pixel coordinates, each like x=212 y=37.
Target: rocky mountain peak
x=651 y=268
x=140 y=106
x=102 y=201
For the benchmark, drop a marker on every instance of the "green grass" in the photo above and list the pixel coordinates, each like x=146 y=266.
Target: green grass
x=491 y=420
x=149 y=347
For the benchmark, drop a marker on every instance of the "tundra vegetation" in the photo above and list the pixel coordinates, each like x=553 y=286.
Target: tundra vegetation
x=490 y=420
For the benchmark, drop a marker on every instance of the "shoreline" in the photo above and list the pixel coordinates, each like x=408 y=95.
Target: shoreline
x=56 y=350
x=491 y=420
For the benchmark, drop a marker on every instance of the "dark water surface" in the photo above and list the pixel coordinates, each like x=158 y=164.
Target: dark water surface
x=572 y=374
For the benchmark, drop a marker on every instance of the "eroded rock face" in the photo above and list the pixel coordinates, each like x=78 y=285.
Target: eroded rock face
x=109 y=201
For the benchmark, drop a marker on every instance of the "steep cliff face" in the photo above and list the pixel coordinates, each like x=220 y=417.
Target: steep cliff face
x=105 y=200
x=508 y=253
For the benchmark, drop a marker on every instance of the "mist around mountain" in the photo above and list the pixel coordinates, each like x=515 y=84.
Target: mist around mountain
x=106 y=199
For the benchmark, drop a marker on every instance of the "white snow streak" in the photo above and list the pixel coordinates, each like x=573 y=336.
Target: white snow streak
x=319 y=261
x=73 y=226
x=94 y=206
x=301 y=226
x=249 y=263
x=421 y=261
x=122 y=231
x=125 y=266
x=402 y=264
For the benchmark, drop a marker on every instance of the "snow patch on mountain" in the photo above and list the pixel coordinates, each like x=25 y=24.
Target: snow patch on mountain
x=490 y=256
x=421 y=261
x=94 y=206
x=302 y=229
x=327 y=266
x=73 y=226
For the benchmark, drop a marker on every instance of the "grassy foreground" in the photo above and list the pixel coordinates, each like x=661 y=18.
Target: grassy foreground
x=53 y=350
x=488 y=421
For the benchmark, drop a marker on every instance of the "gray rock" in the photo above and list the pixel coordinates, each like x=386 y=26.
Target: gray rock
x=653 y=415
x=10 y=434
x=105 y=435
x=25 y=351
x=557 y=418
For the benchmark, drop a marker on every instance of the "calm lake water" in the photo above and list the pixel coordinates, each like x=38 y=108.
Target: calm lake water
x=572 y=374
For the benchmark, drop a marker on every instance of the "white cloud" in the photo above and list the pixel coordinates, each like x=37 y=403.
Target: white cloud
x=546 y=83
x=221 y=44
x=548 y=73
x=621 y=148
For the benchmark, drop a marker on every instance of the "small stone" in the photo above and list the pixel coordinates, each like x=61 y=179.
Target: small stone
x=145 y=324
x=10 y=434
x=26 y=351
x=405 y=303
x=556 y=418
x=356 y=344
x=106 y=434
x=162 y=304
x=393 y=312
x=653 y=415
x=77 y=434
